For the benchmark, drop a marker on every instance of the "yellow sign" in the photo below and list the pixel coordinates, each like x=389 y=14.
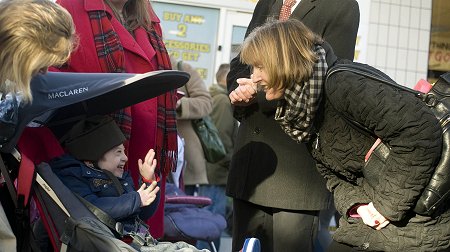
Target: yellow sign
x=439 y=51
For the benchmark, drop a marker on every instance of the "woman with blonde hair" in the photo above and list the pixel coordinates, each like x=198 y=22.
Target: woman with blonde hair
x=265 y=157
x=124 y=36
x=376 y=201
x=33 y=35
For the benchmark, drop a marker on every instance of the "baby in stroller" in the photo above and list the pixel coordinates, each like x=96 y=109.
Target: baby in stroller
x=94 y=170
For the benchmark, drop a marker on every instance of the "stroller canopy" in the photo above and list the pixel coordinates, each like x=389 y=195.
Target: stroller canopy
x=65 y=97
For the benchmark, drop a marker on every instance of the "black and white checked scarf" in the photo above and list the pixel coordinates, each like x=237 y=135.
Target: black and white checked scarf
x=297 y=111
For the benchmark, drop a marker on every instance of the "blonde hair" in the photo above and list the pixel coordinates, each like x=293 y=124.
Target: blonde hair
x=34 y=34
x=285 y=49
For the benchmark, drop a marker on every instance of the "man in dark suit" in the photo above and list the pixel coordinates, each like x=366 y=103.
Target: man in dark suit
x=277 y=192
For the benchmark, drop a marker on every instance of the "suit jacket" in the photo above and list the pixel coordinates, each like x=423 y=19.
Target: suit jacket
x=268 y=168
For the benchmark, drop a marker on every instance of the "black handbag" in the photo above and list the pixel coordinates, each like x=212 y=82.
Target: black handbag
x=208 y=134
x=437 y=99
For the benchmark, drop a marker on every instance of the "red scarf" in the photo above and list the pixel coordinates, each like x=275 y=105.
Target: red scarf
x=111 y=56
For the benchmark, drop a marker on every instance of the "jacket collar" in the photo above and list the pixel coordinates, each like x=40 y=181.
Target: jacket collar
x=303 y=8
x=90 y=5
x=93 y=5
x=128 y=42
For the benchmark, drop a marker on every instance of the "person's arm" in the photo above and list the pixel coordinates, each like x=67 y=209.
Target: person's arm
x=198 y=103
x=147 y=167
x=222 y=116
x=351 y=201
x=342 y=27
x=346 y=194
x=403 y=123
x=149 y=189
x=117 y=207
x=147 y=211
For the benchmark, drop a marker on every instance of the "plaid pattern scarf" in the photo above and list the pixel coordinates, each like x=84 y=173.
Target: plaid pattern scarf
x=297 y=111
x=112 y=59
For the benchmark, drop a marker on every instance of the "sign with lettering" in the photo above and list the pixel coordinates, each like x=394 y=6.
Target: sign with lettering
x=363 y=31
x=69 y=92
x=439 y=51
x=190 y=35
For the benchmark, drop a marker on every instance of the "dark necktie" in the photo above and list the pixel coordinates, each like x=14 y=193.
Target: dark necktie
x=285 y=11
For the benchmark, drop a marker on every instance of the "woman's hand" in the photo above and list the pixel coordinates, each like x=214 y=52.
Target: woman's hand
x=244 y=93
x=148 y=194
x=371 y=217
x=147 y=168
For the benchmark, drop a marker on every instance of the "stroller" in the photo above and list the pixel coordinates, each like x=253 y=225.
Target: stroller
x=28 y=137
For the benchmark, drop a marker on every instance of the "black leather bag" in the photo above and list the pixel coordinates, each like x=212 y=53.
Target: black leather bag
x=438 y=189
x=438 y=100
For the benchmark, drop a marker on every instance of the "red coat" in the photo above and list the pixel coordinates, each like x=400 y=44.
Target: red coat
x=139 y=58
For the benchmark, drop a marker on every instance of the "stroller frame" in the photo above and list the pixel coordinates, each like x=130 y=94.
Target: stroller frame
x=19 y=156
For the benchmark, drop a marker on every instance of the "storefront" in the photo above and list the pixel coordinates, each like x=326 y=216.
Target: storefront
x=408 y=40
x=204 y=33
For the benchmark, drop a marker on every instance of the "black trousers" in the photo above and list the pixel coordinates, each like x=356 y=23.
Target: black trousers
x=279 y=230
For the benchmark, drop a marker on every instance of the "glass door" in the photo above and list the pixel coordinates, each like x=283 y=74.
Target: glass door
x=234 y=31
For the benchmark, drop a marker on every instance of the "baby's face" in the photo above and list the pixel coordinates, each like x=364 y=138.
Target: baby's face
x=114 y=160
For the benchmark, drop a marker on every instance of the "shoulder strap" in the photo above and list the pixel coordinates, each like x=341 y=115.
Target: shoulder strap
x=369 y=72
x=445 y=77
x=116 y=182
x=114 y=225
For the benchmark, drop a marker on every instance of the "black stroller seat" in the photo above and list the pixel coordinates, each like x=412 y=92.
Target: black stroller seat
x=59 y=100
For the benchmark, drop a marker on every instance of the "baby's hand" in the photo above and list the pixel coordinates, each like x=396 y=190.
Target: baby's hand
x=147 y=168
x=148 y=195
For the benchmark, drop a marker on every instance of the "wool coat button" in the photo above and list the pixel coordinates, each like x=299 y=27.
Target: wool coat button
x=257 y=130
